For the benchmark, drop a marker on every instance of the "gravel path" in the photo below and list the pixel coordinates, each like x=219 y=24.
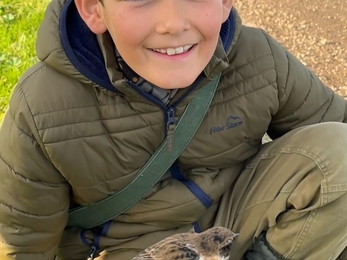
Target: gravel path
x=315 y=31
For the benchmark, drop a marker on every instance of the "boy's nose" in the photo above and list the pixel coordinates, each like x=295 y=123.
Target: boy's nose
x=171 y=18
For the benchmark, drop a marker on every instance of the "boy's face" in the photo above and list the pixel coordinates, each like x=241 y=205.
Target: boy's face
x=167 y=42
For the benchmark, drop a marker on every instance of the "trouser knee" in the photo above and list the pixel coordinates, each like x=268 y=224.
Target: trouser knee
x=326 y=144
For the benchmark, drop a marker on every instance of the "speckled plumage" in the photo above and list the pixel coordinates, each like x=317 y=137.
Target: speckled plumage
x=212 y=244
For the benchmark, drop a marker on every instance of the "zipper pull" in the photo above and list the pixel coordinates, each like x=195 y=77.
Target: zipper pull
x=92 y=252
x=170 y=127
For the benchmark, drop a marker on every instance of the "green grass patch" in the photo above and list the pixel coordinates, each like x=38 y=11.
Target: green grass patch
x=19 y=21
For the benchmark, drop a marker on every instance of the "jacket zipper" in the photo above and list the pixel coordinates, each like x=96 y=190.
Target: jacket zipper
x=170 y=127
x=169 y=111
x=92 y=252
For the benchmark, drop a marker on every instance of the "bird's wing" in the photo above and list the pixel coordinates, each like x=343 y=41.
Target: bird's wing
x=144 y=256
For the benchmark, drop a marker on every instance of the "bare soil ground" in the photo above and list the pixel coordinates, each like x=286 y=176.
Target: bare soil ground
x=315 y=31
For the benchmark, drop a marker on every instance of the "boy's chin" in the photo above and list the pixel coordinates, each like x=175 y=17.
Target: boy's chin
x=175 y=86
x=174 y=83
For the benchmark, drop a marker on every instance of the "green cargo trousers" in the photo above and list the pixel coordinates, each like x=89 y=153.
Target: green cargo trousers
x=290 y=200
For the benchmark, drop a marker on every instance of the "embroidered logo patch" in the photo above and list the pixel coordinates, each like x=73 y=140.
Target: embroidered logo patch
x=231 y=122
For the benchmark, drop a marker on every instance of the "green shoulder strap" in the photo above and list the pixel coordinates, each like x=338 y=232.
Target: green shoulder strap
x=157 y=165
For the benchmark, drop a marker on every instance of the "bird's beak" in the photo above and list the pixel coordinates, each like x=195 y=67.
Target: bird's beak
x=236 y=234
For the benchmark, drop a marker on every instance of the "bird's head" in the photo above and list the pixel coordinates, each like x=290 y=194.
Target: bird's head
x=215 y=243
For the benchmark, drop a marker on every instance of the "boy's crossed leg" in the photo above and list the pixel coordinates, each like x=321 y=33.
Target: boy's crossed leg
x=290 y=201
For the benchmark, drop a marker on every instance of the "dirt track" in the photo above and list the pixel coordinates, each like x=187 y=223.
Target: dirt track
x=315 y=31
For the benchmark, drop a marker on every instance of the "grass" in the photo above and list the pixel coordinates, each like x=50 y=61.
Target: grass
x=19 y=21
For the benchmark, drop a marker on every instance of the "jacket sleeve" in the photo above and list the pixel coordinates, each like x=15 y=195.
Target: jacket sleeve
x=34 y=197
x=303 y=98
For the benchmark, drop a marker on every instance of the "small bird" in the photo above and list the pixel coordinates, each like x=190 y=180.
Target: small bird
x=212 y=244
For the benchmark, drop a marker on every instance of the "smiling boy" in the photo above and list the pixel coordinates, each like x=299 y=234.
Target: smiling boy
x=113 y=77
x=142 y=30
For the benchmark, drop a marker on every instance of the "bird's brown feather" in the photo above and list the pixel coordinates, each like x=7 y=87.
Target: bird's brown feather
x=190 y=245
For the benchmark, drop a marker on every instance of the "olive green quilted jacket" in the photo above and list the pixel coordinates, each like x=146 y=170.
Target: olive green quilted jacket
x=76 y=132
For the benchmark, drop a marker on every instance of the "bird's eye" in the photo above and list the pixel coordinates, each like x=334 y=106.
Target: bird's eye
x=191 y=255
x=188 y=252
x=225 y=250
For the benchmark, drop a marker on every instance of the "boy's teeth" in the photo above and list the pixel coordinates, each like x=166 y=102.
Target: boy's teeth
x=173 y=51
x=170 y=51
x=179 y=50
x=187 y=47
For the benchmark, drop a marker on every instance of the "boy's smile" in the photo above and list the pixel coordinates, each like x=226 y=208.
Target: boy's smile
x=167 y=42
x=174 y=53
x=174 y=50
